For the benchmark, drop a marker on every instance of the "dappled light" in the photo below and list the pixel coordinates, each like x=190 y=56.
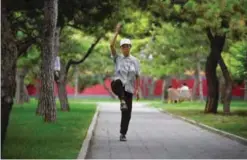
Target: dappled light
x=77 y=77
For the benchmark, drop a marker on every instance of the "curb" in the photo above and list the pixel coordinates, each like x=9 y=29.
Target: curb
x=214 y=130
x=90 y=131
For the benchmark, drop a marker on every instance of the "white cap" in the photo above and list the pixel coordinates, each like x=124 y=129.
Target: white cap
x=125 y=41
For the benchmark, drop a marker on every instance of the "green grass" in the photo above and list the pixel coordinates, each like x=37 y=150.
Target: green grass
x=235 y=123
x=28 y=137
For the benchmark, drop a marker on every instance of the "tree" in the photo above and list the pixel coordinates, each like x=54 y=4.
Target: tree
x=180 y=50
x=216 y=19
x=12 y=48
x=238 y=61
x=64 y=72
x=73 y=43
x=27 y=16
x=26 y=64
x=101 y=25
x=47 y=100
x=21 y=90
x=93 y=18
x=138 y=27
x=9 y=55
x=87 y=16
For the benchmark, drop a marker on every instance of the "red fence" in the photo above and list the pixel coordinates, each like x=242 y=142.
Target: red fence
x=100 y=90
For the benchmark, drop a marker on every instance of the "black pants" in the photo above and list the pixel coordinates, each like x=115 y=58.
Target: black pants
x=118 y=89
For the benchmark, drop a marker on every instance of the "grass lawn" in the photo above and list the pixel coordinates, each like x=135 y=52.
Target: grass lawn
x=235 y=123
x=28 y=137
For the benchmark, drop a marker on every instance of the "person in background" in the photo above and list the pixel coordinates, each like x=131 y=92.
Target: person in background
x=127 y=71
x=184 y=87
x=173 y=95
x=57 y=69
x=184 y=92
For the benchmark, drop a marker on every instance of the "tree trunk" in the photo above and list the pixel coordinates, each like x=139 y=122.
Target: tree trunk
x=47 y=98
x=217 y=44
x=196 y=84
x=76 y=80
x=228 y=86
x=145 y=84
x=18 y=87
x=222 y=89
x=62 y=93
x=26 y=95
x=40 y=110
x=66 y=70
x=245 y=89
x=200 y=82
x=37 y=86
x=168 y=83
x=151 y=88
x=140 y=93
x=213 y=85
x=8 y=71
x=163 y=90
x=21 y=94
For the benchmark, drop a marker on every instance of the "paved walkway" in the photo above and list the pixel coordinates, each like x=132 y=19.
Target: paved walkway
x=154 y=135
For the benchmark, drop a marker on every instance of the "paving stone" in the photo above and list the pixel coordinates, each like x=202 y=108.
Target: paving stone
x=156 y=135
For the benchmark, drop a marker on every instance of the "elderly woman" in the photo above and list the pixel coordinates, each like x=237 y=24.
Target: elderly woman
x=127 y=71
x=173 y=95
x=185 y=93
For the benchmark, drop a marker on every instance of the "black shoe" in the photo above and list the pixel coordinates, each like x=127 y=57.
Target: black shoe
x=123 y=106
x=122 y=138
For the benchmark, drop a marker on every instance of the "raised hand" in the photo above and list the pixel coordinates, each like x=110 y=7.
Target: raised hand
x=118 y=27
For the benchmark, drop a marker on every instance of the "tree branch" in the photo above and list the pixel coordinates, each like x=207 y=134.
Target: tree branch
x=209 y=34
x=224 y=69
x=23 y=46
x=73 y=62
x=180 y=2
x=74 y=26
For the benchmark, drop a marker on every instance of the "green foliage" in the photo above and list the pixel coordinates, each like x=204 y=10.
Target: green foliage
x=173 y=33
x=136 y=25
x=237 y=59
x=86 y=80
x=73 y=44
x=186 y=35
x=31 y=60
x=220 y=16
x=87 y=14
x=174 y=50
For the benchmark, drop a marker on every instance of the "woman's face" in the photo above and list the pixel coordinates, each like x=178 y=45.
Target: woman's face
x=125 y=48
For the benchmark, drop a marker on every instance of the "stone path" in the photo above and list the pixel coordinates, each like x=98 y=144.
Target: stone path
x=156 y=135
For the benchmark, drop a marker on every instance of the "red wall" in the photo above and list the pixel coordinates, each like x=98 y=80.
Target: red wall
x=100 y=90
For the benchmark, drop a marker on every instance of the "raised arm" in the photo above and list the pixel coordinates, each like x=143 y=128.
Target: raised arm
x=113 y=42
